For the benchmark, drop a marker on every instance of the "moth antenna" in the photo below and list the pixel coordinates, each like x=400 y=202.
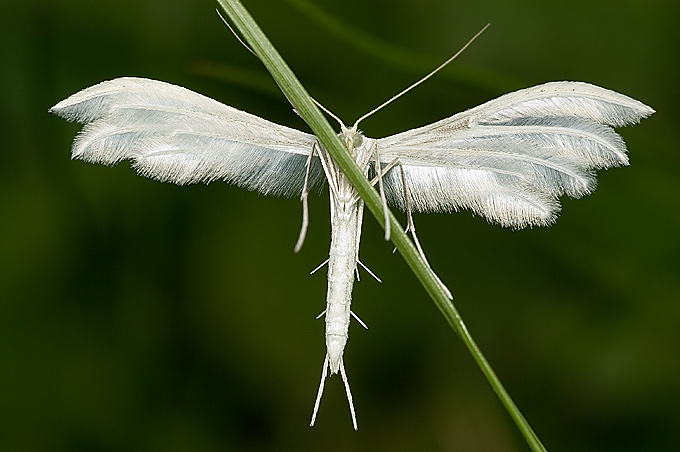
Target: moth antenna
x=437 y=69
x=235 y=34
x=329 y=113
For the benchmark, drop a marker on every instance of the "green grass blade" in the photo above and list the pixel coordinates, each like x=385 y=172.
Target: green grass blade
x=306 y=108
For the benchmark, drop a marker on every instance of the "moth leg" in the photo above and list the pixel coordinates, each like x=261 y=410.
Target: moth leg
x=324 y=373
x=407 y=205
x=319 y=267
x=349 y=395
x=411 y=226
x=356 y=317
x=378 y=179
x=331 y=171
x=385 y=170
x=305 y=204
x=358 y=238
x=368 y=270
x=320 y=315
x=363 y=163
x=381 y=190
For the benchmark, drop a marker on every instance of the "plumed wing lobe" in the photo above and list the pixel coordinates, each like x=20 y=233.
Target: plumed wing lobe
x=176 y=135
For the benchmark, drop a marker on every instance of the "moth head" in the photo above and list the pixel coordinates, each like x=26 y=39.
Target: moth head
x=351 y=137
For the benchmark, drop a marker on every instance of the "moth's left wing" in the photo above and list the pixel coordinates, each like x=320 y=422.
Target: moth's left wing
x=511 y=158
x=176 y=135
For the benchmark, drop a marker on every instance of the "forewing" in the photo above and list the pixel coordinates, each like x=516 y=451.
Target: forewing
x=176 y=135
x=511 y=158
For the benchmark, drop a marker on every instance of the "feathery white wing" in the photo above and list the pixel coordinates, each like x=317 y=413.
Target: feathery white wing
x=176 y=135
x=510 y=158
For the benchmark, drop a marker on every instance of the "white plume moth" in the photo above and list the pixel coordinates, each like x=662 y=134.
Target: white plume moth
x=508 y=160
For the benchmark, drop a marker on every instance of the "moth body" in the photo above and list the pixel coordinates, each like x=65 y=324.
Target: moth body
x=342 y=266
x=346 y=218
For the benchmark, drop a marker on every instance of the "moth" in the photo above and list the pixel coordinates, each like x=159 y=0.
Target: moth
x=507 y=160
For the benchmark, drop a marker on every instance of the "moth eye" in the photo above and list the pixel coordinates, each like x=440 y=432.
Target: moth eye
x=357 y=139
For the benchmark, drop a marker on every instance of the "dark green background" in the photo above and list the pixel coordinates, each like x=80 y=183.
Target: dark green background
x=139 y=316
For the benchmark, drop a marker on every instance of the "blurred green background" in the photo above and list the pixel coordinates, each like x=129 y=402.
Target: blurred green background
x=140 y=316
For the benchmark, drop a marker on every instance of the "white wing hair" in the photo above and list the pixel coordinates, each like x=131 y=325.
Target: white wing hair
x=510 y=159
x=176 y=135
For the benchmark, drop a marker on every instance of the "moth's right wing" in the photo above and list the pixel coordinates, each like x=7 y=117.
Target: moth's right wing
x=175 y=135
x=511 y=158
